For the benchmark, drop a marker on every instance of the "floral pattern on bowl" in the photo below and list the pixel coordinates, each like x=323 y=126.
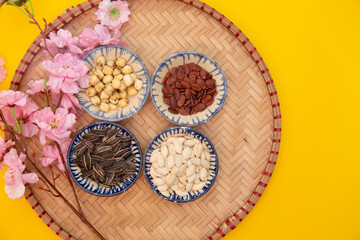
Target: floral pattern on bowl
x=179 y=59
x=214 y=162
x=135 y=102
x=92 y=187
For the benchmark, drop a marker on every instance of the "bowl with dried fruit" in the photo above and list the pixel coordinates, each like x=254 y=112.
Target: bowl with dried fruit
x=119 y=83
x=180 y=164
x=188 y=88
x=104 y=159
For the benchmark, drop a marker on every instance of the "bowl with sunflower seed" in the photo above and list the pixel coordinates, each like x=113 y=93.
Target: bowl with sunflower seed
x=104 y=159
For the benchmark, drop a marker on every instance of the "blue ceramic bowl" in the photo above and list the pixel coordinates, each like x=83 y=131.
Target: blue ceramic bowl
x=135 y=102
x=179 y=59
x=214 y=162
x=90 y=186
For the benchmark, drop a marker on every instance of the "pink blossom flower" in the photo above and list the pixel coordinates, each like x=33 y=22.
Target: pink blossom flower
x=37 y=86
x=90 y=38
x=51 y=154
x=3 y=148
x=15 y=180
x=26 y=121
x=113 y=13
x=69 y=102
x=2 y=70
x=23 y=107
x=67 y=72
x=55 y=126
x=12 y=98
x=62 y=42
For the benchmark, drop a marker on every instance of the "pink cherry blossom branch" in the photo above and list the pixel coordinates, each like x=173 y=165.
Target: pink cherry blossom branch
x=31 y=161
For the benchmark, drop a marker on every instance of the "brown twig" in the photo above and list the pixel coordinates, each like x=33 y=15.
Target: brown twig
x=67 y=174
x=42 y=31
x=49 y=183
x=48 y=188
x=59 y=102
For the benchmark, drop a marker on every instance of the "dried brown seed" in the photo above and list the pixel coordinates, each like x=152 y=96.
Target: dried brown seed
x=196 y=68
x=199 y=107
x=167 y=101
x=171 y=81
x=214 y=94
x=173 y=110
x=211 y=91
x=201 y=83
x=204 y=94
x=192 y=79
x=206 y=99
x=195 y=87
x=181 y=101
x=185 y=84
x=173 y=101
x=180 y=74
x=203 y=74
x=173 y=71
x=186 y=69
x=178 y=84
x=165 y=91
x=176 y=94
x=211 y=101
x=210 y=82
x=188 y=93
x=183 y=112
x=164 y=80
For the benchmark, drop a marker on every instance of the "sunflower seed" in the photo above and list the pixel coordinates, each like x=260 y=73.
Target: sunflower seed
x=78 y=146
x=88 y=173
x=113 y=142
x=89 y=145
x=99 y=132
x=81 y=151
x=98 y=169
x=111 y=134
x=121 y=152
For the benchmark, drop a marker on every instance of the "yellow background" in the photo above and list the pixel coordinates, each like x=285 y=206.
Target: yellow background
x=312 y=50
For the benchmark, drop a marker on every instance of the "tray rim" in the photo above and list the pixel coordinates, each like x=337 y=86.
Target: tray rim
x=233 y=219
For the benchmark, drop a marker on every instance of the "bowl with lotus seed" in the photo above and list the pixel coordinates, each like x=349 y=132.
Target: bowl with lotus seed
x=180 y=164
x=118 y=85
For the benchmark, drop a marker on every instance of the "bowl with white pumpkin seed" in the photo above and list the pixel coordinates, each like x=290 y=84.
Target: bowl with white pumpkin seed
x=104 y=159
x=118 y=86
x=181 y=164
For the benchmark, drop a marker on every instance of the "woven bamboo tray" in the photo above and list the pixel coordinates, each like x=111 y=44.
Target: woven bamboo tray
x=246 y=131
